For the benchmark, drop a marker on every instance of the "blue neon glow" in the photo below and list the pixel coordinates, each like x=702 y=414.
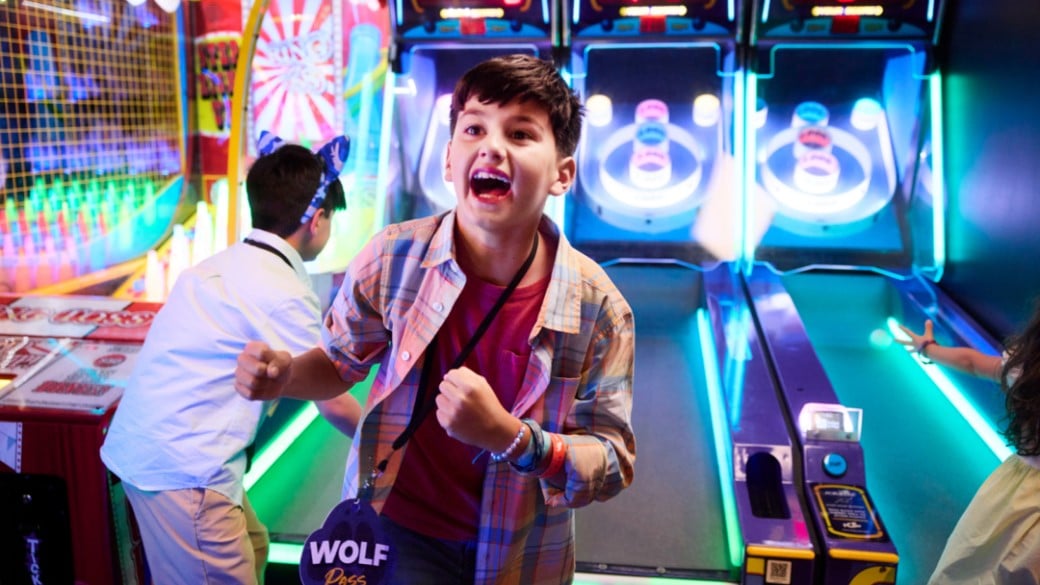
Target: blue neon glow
x=765 y=10
x=931 y=10
x=978 y=423
x=747 y=250
x=577 y=12
x=739 y=158
x=731 y=11
x=738 y=354
x=545 y=11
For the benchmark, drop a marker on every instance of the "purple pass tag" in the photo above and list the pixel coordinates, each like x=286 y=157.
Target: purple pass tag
x=349 y=549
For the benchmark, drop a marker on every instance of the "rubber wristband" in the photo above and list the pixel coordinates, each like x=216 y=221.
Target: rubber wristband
x=922 y=354
x=559 y=454
x=527 y=460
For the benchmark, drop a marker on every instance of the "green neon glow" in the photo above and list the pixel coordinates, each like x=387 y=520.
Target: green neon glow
x=974 y=418
x=723 y=446
x=270 y=453
x=747 y=251
x=938 y=176
x=283 y=553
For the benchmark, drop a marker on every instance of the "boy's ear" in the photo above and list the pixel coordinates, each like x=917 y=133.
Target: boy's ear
x=566 y=170
x=315 y=221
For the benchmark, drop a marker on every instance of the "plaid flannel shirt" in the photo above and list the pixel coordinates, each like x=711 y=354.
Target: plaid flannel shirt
x=396 y=295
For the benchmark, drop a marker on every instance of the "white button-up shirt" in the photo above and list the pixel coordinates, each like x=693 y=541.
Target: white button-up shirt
x=180 y=423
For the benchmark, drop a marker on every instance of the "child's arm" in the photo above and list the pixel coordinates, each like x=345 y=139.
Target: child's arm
x=342 y=412
x=263 y=373
x=963 y=359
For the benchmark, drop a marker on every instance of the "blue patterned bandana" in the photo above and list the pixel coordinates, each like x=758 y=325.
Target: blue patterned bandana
x=334 y=154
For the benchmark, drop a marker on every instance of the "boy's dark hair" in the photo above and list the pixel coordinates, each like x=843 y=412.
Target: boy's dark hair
x=500 y=80
x=1021 y=382
x=281 y=185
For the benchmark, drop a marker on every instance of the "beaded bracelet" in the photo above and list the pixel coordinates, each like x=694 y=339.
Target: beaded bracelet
x=498 y=457
x=559 y=454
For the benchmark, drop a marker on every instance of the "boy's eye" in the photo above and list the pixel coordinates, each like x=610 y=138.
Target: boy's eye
x=521 y=135
x=472 y=130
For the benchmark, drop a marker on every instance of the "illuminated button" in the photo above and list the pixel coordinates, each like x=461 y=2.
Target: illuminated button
x=438 y=307
x=406 y=356
x=835 y=465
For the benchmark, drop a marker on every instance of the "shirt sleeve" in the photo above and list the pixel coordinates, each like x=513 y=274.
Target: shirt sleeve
x=353 y=333
x=601 y=454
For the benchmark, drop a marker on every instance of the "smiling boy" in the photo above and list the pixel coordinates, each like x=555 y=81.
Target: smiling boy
x=534 y=419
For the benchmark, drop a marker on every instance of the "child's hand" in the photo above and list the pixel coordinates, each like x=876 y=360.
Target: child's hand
x=917 y=341
x=261 y=372
x=469 y=411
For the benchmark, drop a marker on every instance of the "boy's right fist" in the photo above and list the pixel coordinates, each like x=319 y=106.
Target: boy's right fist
x=261 y=372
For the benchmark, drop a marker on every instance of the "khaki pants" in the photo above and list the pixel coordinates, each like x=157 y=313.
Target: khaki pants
x=199 y=537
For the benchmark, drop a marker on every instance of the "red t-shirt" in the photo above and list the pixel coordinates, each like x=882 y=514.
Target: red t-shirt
x=438 y=488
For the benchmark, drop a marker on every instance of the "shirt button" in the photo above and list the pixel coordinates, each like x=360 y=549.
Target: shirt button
x=406 y=356
x=438 y=307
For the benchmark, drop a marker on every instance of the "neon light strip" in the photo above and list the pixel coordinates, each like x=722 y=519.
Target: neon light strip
x=723 y=446
x=266 y=457
x=747 y=255
x=938 y=176
x=67 y=12
x=931 y=10
x=978 y=423
x=765 y=11
x=731 y=11
x=283 y=553
x=740 y=158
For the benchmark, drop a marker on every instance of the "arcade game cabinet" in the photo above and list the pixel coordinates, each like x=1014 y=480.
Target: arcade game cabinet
x=844 y=232
x=64 y=362
x=91 y=138
x=657 y=201
x=434 y=42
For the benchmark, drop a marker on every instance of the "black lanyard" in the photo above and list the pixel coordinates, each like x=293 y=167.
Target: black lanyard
x=423 y=405
x=251 y=448
x=270 y=249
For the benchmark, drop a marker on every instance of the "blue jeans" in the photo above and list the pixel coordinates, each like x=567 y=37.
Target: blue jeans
x=424 y=560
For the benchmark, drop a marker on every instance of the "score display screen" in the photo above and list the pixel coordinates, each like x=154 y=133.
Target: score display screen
x=920 y=14
x=438 y=4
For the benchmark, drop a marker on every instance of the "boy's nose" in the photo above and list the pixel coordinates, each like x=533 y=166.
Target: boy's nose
x=491 y=147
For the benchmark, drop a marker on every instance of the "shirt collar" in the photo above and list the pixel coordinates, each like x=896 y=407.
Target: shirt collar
x=561 y=309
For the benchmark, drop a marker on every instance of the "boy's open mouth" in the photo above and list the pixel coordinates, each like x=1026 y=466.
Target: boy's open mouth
x=488 y=184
